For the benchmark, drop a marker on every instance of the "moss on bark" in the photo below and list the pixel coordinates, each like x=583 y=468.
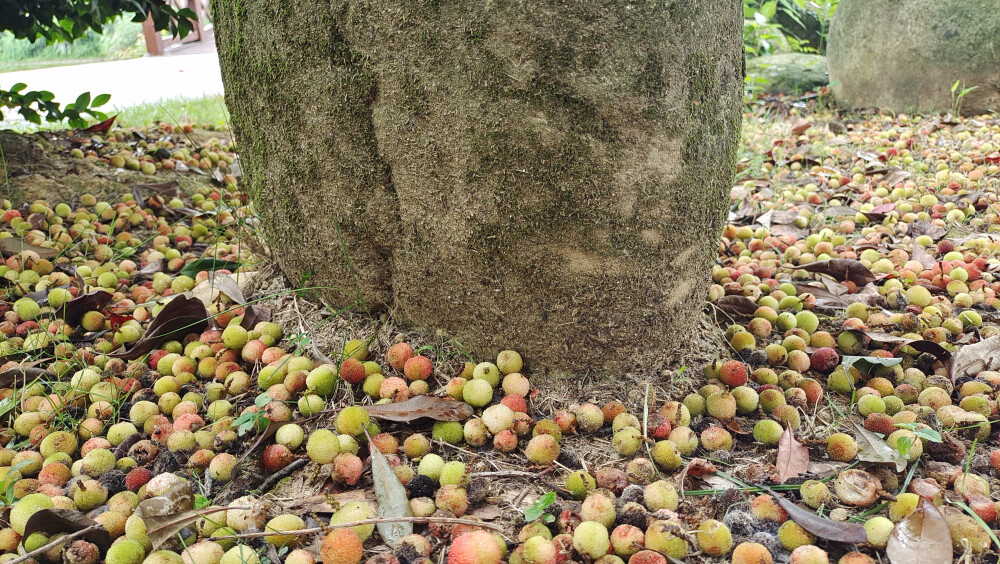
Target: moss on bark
x=547 y=176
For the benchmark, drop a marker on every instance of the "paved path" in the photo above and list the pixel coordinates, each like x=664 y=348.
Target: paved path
x=190 y=71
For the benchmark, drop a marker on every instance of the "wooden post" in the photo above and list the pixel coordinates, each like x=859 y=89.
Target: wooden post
x=154 y=45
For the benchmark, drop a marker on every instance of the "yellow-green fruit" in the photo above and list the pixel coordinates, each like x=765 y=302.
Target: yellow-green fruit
x=323 y=446
x=767 y=431
x=714 y=538
x=878 y=529
x=667 y=537
x=665 y=454
x=240 y=554
x=591 y=539
x=791 y=535
x=26 y=507
x=580 y=483
x=352 y=420
x=477 y=393
x=660 y=495
x=905 y=504
x=283 y=523
x=356 y=349
x=125 y=551
x=841 y=447
x=431 y=466
x=814 y=493
x=355 y=511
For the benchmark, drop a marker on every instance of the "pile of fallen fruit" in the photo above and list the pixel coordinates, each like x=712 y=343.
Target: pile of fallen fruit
x=151 y=411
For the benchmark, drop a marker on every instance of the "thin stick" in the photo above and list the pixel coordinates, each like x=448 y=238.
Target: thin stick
x=281 y=474
x=55 y=543
x=375 y=521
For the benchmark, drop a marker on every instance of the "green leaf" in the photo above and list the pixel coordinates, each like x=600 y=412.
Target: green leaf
x=18 y=87
x=201 y=501
x=100 y=100
x=210 y=264
x=262 y=400
x=903 y=445
x=954 y=87
x=392 y=500
x=82 y=101
x=867 y=362
x=538 y=508
x=923 y=432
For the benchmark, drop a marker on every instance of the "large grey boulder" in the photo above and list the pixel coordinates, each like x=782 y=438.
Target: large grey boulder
x=905 y=55
x=789 y=73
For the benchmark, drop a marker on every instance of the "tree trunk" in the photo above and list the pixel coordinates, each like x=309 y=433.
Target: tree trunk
x=548 y=176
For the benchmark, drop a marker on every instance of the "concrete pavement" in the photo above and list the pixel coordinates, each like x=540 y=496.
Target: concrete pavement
x=190 y=70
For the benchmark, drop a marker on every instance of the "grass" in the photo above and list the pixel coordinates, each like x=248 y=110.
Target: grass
x=204 y=110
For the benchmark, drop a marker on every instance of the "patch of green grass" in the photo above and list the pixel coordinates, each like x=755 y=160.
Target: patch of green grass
x=204 y=110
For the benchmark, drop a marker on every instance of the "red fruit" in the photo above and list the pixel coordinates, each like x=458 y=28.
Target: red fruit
x=824 y=360
x=253 y=350
x=398 y=355
x=733 y=373
x=983 y=506
x=476 y=547
x=136 y=478
x=995 y=460
x=660 y=431
x=417 y=368
x=347 y=468
x=505 y=441
x=155 y=356
x=352 y=371
x=515 y=403
x=210 y=336
x=647 y=557
x=275 y=457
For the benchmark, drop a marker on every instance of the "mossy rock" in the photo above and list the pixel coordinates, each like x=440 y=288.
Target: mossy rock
x=905 y=55
x=789 y=73
x=549 y=177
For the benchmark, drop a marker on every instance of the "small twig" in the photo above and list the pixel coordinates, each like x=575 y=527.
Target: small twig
x=55 y=543
x=281 y=474
x=509 y=474
x=311 y=530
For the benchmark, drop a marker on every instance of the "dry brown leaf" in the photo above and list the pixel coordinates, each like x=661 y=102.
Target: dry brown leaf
x=793 y=456
x=422 y=406
x=973 y=359
x=923 y=257
x=820 y=526
x=52 y=521
x=871 y=448
x=923 y=537
x=13 y=245
x=841 y=270
x=737 y=305
x=180 y=316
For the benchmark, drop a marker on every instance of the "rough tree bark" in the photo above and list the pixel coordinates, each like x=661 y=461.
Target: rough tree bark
x=549 y=176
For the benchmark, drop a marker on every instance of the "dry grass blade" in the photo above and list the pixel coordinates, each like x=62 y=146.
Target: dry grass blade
x=422 y=406
x=921 y=537
x=793 y=456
